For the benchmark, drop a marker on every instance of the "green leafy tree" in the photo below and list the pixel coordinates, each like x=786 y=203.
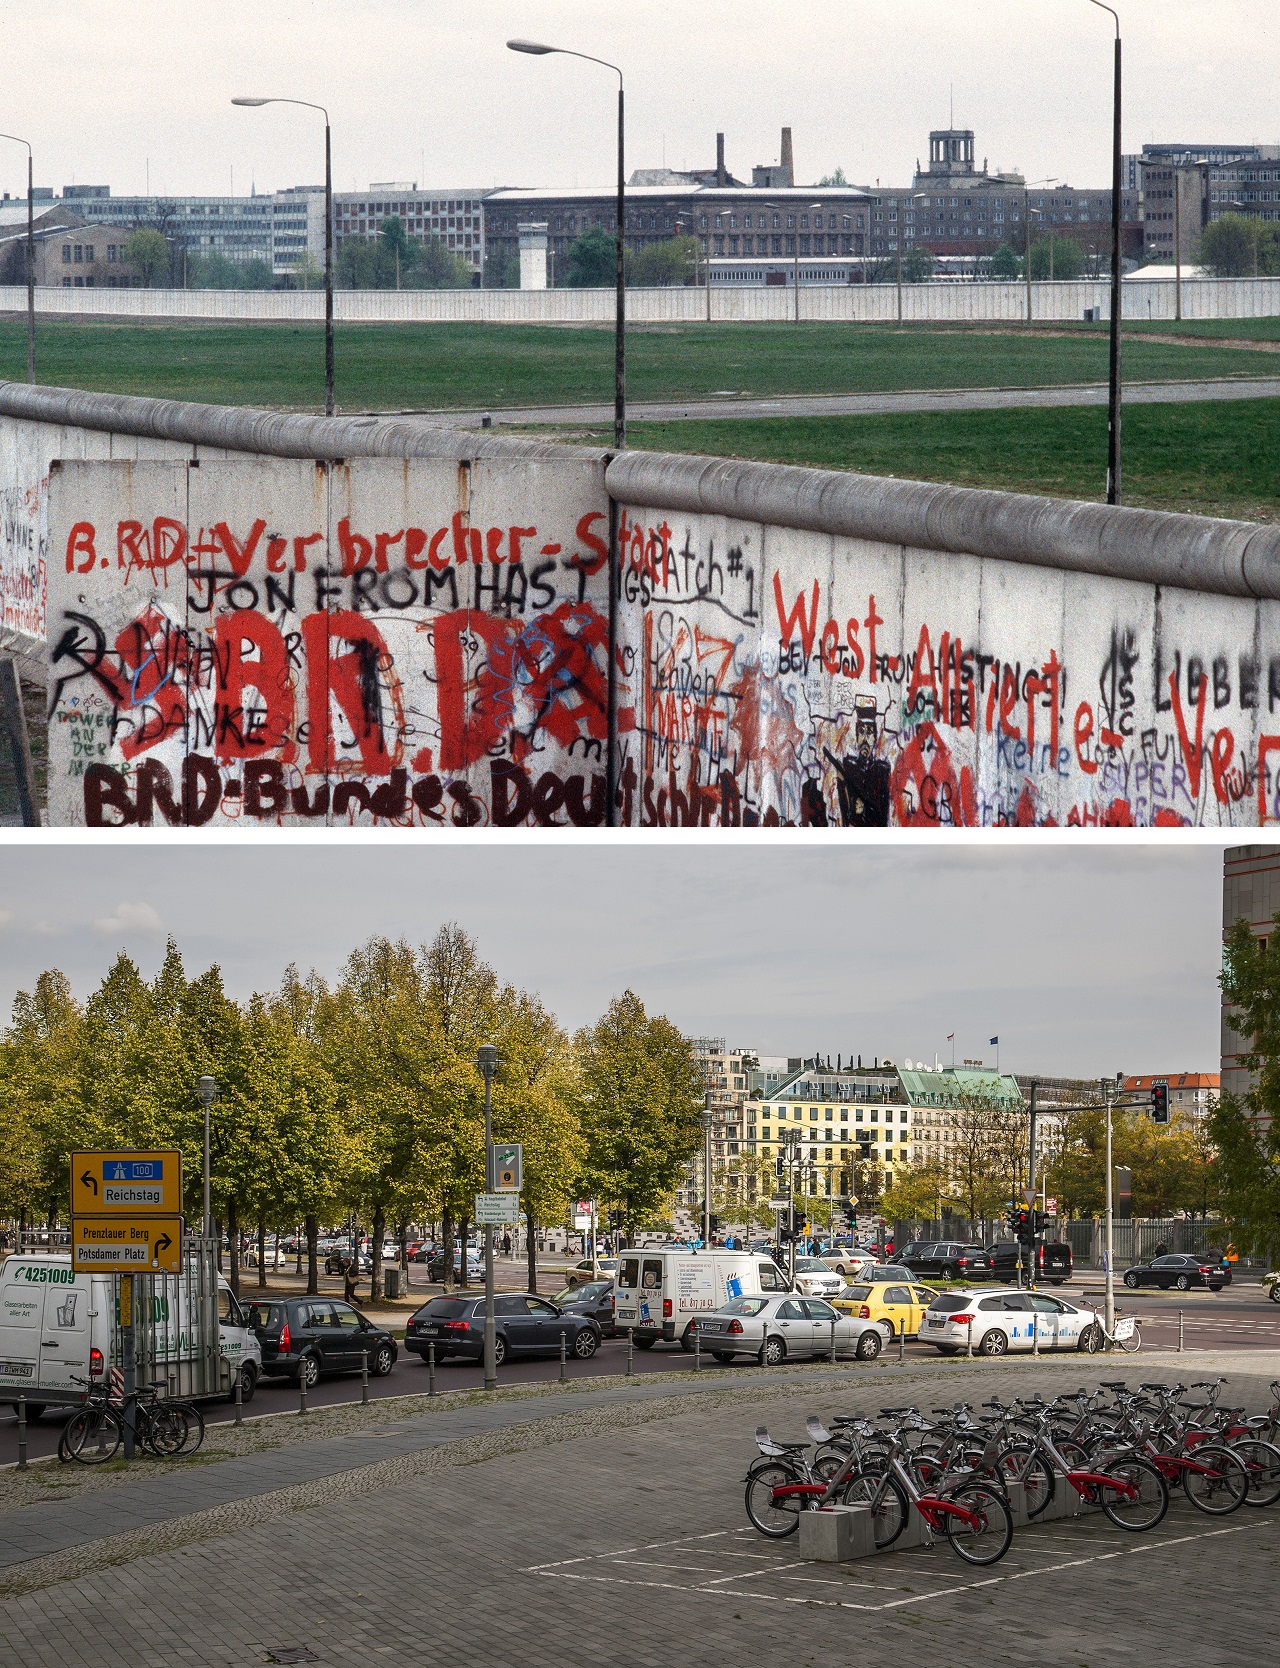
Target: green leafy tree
x=659 y=265
x=917 y=264
x=590 y=260
x=501 y=272
x=256 y=275
x=919 y=1193
x=1246 y=1128
x=1227 y=247
x=838 y=178
x=436 y=267
x=308 y=273
x=147 y=251
x=212 y=272
x=1057 y=257
x=641 y=1109
x=1006 y=263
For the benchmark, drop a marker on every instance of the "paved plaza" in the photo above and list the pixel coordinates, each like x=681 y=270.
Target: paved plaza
x=604 y=1525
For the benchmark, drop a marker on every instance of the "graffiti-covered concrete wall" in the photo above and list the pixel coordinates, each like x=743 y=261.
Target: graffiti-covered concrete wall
x=835 y=650
x=284 y=620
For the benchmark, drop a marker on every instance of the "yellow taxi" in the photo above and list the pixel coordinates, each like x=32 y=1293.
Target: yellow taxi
x=902 y=1305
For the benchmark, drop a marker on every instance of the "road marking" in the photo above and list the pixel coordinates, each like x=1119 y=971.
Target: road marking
x=717 y=1586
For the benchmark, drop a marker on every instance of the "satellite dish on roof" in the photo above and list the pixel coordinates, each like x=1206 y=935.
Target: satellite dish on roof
x=907 y=1064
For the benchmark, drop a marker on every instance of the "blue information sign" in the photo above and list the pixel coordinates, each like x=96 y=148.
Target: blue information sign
x=132 y=1169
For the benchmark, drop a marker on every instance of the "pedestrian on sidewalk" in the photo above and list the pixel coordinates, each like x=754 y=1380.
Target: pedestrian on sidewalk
x=506 y=1245
x=1162 y=1250
x=350 y=1273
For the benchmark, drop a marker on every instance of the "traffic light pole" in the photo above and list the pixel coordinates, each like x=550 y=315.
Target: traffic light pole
x=1031 y=1159
x=1108 y=1095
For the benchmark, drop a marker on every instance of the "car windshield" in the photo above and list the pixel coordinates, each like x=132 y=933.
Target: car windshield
x=811 y=1265
x=443 y=1308
x=575 y=1294
x=744 y=1306
x=262 y=1314
x=859 y=1294
x=950 y=1303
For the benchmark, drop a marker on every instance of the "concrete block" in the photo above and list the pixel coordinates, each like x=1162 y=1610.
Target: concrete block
x=915 y=1533
x=837 y=1534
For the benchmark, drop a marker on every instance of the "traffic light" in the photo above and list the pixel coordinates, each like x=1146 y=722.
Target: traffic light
x=1041 y=1222
x=713 y=1222
x=1160 y=1101
x=780 y=1165
x=1023 y=1225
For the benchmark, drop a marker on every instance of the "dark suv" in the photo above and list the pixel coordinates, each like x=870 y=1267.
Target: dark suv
x=1053 y=1261
x=523 y=1325
x=302 y=1337
x=944 y=1259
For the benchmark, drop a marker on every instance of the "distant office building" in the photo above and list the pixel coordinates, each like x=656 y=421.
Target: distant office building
x=1191 y=1093
x=455 y=215
x=85 y=257
x=1250 y=892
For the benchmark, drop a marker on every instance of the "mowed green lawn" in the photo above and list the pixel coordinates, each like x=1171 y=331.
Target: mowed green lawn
x=393 y=367
x=1214 y=458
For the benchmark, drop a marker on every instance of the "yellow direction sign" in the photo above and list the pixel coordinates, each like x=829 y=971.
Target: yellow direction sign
x=134 y=1183
x=127 y=1245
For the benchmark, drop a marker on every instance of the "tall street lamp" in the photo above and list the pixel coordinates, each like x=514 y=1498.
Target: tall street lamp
x=706 y=1172
x=207 y=1089
x=487 y=1061
x=1113 y=393
x=538 y=50
x=690 y=221
x=305 y=104
x=31 y=260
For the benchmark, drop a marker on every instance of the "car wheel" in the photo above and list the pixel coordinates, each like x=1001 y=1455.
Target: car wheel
x=994 y=1342
x=248 y=1383
x=722 y=1355
x=1182 y=1283
x=868 y=1346
x=1058 y=1282
x=773 y=1352
x=34 y=1409
x=1131 y=1280
x=889 y=1324
x=948 y=1349
x=645 y=1343
x=1274 y=1293
x=499 y=1350
x=1087 y=1342
x=383 y=1361
x=686 y=1340
x=584 y=1345
x=308 y=1371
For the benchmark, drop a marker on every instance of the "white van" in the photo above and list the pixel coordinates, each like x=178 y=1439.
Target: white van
x=659 y=1292
x=58 y=1326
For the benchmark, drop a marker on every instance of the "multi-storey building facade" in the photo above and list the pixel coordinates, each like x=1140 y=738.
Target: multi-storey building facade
x=851 y=1127
x=276 y=229
x=726 y=1076
x=456 y=216
x=1191 y=1093
x=1250 y=892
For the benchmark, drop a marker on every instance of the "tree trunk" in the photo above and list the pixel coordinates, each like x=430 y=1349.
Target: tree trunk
x=464 y=1225
x=233 y=1245
x=262 y=1252
x=402 y=1234
x=531 y=1253
x=446 y=1241
x=217 y=1239
x=375 y=1254
x=313 y=1256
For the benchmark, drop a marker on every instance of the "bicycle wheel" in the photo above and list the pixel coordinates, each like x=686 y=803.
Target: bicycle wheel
x=195 y=1425
x=990 y=1535
x=888 y=1504
x=1262 y=1462
x=92 y=1435
x=777 y=1519
x=1145 y=1508
x=165 y=1429
x=1222 y=1490
x=1022 y=1462
x=1132 y=1343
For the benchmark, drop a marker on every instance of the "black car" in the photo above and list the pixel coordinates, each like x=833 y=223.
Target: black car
x=944 y=1259
x=594 y=1299
x=523 y=1324
x=1179 y=1271
x=302 y=1337
x=1052 y=1257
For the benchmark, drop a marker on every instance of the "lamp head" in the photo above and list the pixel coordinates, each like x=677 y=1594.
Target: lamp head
x=253 y=103
x=535 y=47
x=487 y=1058
x=207 y=1089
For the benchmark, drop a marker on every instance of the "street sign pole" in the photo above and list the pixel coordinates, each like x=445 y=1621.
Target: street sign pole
x=487 y=1060
x=129 y=1359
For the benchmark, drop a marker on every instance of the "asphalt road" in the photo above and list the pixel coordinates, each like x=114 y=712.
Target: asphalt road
x=1240 y=1317
x=853 y=405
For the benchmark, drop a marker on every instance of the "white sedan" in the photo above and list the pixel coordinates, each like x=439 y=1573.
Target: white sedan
x=787 y=1327
x=1006 y=1320
x=815 y=1279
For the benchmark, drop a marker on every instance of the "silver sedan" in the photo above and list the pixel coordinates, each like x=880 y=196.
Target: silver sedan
x=787 y=1327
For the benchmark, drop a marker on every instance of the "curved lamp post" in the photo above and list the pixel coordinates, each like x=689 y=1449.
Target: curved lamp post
x=487 y=1064
x=538 y=50
x=207 y=1089
x=31 y=260
x=305 y=104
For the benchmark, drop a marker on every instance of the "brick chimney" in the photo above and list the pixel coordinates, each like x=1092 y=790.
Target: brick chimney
x=722 y=177
x=785 y=160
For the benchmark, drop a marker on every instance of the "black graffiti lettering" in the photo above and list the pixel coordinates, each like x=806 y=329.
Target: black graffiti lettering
x=517 y=590
x=398 y=589
x=1195 y=677
x=539 y=583
x=326 y=590
x=282 y=597
x=364 y=587
x=1221 y=683
x=1248 y=671
x=493 y=588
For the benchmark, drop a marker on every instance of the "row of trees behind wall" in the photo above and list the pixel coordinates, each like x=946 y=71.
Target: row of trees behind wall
x=359 y=1096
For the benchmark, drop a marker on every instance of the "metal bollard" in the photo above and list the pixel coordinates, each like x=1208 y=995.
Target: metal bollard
x=302 y=1393
x=969 y=1351
x=1035 y=1336
x=902 y=1344
x=563 y=1374
x=22 y=1433
x=239 y=1419
x=631 y=1351
x=364 y=1376
x=431 y=1369
x=833 y=1341
x=1179 y=1331
x=697 y=1349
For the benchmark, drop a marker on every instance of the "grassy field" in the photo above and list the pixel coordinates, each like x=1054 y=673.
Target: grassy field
x=391 y=367
x=1240 y=330
x=1215 y=458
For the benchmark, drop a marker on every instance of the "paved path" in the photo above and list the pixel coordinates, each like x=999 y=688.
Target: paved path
x=622 y=1539
x=856 y=405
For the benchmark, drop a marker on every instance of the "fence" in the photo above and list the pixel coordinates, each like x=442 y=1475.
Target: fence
x=984 y=301
x=1136 y=1241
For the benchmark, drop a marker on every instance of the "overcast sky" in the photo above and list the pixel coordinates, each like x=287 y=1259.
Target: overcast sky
x=1083 y=960
x=425 y=90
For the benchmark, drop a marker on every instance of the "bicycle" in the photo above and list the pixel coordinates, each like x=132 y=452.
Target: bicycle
x=94 y=1433
x=1130 y=1489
